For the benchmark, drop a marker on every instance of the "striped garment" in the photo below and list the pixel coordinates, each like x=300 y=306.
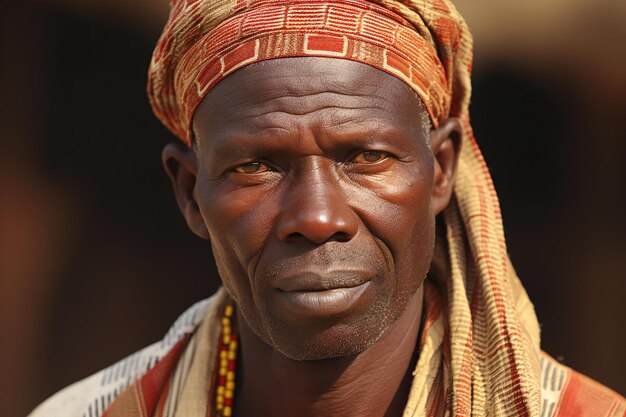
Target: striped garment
x=479 y=353
x=150 y=383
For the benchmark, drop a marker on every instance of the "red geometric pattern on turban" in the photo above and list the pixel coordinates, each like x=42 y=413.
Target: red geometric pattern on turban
x=201 y=45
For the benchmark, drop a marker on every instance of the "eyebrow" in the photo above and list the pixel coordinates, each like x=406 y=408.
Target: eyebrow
x=245 y=144
x=264 y=142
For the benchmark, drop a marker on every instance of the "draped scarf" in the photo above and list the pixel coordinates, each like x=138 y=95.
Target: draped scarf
x=480 y=355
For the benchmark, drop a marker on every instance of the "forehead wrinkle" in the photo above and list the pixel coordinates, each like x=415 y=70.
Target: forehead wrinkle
x=317 y=110
x=285 y=94
x=377 y=85
x=254 y=78
x=248 y=109
x=326 y=77
x=366 y=126
x=282 y=120
x=279 y=100
x=296 y=104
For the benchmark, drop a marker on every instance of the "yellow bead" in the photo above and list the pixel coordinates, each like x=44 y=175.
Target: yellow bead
x=226 y=356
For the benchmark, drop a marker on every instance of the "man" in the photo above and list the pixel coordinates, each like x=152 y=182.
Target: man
x=329 y=159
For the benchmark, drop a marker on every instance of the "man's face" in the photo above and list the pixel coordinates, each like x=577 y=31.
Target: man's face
x=315 y=183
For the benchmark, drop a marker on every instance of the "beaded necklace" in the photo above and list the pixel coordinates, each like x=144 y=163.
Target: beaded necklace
x=225 y=390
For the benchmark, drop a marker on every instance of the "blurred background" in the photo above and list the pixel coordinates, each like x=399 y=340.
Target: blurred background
x=96 y=262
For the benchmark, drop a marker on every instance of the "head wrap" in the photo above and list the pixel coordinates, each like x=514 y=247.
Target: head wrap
x=480 y=351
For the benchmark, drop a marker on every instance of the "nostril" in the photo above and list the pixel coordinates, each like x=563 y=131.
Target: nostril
x=340 y=237
x=295 y=237
x=299 y=237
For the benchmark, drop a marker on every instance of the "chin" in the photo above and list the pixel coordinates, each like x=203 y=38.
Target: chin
x=316 y=350
x=315 y=327
x=335 y=339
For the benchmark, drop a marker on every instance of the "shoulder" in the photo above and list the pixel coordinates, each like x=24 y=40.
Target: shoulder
x=92 y=395
x=567 y=393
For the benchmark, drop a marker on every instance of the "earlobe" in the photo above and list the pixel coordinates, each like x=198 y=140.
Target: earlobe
x=181 y=165
x=445 y=143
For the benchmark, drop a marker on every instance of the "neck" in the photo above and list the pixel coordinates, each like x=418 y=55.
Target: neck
x=375 y=382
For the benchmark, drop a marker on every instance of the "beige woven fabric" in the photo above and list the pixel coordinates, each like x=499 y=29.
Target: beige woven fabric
x=194 y=377
x=484 y=350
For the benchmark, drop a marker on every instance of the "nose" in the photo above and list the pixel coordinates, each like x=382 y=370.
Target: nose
x=315 y=210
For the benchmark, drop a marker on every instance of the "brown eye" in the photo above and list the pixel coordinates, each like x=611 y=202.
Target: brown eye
x=370 y=157
x=251 y=168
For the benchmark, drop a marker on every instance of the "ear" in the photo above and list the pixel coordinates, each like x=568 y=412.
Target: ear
x=445 y=143
x=181 y=165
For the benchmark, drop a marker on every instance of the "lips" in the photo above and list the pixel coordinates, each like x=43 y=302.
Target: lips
x=307 y=282
x=322 y=295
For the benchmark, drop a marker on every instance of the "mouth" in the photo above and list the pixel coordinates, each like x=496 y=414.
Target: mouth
x=311 y=282
x=314 y=295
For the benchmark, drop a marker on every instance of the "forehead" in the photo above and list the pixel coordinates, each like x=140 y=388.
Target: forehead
x=298 y=86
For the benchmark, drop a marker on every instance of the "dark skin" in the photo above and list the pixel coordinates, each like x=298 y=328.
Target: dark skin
x=318 y=190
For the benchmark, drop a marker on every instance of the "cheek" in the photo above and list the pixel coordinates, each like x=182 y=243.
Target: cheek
x=237 y=216
x=397 y=207
x=239 y=221
x=398 y=211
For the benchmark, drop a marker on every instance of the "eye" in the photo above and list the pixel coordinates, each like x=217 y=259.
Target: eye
x=370 y=157
x=252 y=168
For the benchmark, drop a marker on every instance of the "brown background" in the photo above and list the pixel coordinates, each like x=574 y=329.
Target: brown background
x=96 y=262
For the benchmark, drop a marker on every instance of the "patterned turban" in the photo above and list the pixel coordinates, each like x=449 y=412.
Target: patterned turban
x=479 y=354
